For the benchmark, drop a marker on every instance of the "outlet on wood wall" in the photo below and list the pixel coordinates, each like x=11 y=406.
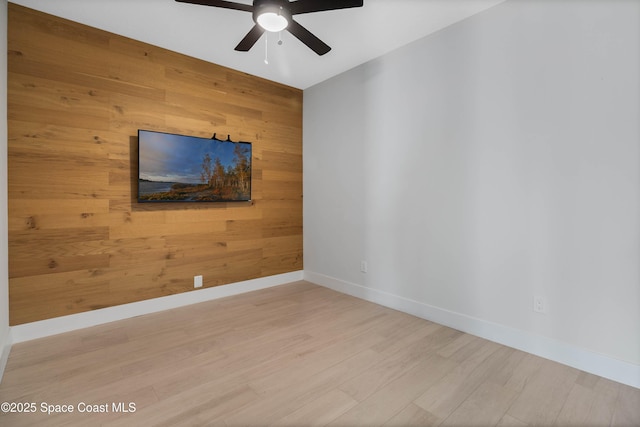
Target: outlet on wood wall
x=78 y=240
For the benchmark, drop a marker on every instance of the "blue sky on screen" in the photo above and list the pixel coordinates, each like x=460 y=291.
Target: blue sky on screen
x=177 y=158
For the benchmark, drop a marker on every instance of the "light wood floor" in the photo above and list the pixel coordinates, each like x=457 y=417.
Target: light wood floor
x=298 y=355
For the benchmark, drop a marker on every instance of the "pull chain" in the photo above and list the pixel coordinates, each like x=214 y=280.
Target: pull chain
x=266 y=48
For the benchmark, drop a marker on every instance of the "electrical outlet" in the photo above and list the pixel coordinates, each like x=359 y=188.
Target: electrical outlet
x=197 y=281
x=363 y=266
x=539 y=305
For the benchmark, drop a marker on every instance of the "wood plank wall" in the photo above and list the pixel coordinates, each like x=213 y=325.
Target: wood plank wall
x=78 y=240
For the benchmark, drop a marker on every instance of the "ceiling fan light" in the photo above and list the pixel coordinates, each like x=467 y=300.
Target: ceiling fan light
x=272 y=21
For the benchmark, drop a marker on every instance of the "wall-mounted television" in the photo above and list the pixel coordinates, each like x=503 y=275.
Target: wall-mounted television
x=180 y=168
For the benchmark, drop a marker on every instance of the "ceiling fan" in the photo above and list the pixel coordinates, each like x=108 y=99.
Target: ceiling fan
x=276 y=15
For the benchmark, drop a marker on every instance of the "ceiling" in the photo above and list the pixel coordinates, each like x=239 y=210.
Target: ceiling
x=355 y=35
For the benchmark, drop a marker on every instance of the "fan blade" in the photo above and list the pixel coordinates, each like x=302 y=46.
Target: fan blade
x=250 y=39
x=307 y=6
x=306 y=37
x=221 y=3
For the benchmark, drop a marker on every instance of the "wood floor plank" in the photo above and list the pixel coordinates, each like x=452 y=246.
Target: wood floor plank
x=448 y=393
x=275 y=406
x=320 y=411
x=545 y=394
x=486 y=406
x=592 y=404
x=627 y=410
x=299 y=355
x=398 y=363
x=413 y=415
x=509 y=421
x=389 y=400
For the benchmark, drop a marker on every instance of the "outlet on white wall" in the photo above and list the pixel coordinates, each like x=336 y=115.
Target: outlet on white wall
x=539 y=305
x=364 y=267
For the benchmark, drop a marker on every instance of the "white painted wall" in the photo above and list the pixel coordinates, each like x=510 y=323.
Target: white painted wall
x=4 y=256
x=490 y=162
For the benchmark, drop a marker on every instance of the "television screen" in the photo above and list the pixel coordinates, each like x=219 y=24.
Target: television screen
x=179 y=168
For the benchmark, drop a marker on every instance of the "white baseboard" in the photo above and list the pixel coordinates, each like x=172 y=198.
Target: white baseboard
x=5 y=349
x=597 y=364
x=57 y=325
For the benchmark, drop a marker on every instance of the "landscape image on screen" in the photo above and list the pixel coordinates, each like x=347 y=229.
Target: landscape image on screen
x=178 y=168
